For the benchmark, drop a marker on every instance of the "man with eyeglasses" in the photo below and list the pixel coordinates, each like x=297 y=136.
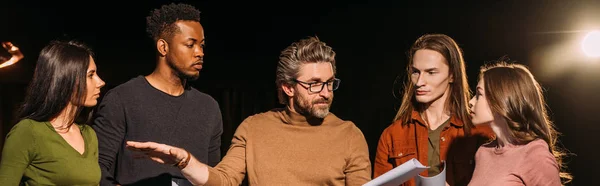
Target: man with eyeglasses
x=301 y=144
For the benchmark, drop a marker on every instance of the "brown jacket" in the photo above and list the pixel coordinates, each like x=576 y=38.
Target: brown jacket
x=399 y=143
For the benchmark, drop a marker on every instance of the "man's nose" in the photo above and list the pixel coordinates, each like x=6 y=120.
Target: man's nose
x=420 y=80
x=325 y=92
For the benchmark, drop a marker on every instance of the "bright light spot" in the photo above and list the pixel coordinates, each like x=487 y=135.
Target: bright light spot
x=14 y=51
x=591 y=44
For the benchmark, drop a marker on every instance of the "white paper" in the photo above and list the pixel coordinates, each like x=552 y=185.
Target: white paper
x=437 y=180
x=400 y=174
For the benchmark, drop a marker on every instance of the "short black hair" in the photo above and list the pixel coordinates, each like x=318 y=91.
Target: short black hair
x=160 y=22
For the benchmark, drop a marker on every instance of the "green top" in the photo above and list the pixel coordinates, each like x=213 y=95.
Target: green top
x=433 y=150
x=34 y=154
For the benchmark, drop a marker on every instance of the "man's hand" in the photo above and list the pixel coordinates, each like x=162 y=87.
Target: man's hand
x=160 y=153
x=196 y=172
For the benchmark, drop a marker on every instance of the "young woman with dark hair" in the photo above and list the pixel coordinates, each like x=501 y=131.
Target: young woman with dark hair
x=51 y=145
x=511 y=101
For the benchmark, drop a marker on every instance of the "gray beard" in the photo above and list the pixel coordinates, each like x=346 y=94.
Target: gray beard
x=308 y=111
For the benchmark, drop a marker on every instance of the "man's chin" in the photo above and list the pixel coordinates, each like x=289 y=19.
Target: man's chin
x=322 y=113
x=191 y=77
x=423 y=100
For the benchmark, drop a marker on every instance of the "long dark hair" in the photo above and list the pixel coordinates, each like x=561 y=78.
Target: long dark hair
x=59 y=78
x=458 y=100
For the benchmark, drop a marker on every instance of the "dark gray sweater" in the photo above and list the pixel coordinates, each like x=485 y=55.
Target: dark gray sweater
x=137 y=111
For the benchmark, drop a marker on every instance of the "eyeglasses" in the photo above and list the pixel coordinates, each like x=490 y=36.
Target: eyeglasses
x=318 y=86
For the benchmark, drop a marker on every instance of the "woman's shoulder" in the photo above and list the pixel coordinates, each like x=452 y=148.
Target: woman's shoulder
x=536 y=154
x=28 y=124
x=538 y=166
x=537 y=148
x=26 y=128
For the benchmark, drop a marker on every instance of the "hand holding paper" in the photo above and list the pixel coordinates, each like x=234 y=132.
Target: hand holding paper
x=405 y=172
x=399 y=175
x=437 y=180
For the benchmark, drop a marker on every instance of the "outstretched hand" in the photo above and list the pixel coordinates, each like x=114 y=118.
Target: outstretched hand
x=160 y=153
x=196 y=172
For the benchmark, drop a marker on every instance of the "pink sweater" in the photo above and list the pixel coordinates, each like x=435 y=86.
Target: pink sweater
x=530 y=164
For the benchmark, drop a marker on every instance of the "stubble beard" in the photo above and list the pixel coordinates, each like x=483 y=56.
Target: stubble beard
x=308 y=108
x=179 y=71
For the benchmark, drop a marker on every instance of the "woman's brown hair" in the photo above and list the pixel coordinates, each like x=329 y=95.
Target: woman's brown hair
x=514 y=94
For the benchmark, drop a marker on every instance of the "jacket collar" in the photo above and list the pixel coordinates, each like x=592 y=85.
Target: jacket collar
x=454 y=121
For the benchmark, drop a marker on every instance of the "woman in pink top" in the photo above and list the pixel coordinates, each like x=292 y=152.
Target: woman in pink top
x=510 y=99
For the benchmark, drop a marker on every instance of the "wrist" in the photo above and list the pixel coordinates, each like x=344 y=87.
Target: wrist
x=183 y=162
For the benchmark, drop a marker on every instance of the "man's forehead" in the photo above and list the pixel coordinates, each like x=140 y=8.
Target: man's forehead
x=189 y=30
x=316 y=71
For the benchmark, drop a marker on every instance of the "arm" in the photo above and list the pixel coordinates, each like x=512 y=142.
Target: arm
x=382 y=165
x=358 y=170
x=195 y=171
x=109 y=125
x=17 y=154
x=214 y=149
x=230 y=171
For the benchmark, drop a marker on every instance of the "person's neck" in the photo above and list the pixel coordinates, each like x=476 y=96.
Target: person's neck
x=64 y=121
x=299 y=118
x=502 y=141
x=435 y=114
x=501 y=137
x=164 y=79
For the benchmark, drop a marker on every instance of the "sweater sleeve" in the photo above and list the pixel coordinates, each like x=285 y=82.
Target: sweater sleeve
x=381 y=157
x=110 y=126
x=358 y=169
x=17 y=153
x=539 y=166
x=232 y=169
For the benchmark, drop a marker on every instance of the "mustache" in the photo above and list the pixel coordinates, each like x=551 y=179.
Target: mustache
x=200 y=61
x=321 y=101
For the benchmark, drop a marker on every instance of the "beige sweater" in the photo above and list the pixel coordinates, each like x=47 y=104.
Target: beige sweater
x=281 y=148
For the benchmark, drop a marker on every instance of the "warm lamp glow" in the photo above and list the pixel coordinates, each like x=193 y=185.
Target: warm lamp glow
x=14 y=51
x=591 y=44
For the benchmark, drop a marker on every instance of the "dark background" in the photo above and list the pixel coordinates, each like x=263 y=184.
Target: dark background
x=371 y=39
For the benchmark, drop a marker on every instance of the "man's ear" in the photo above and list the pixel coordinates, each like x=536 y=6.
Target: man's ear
x=162 y=46
x=288 y=89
